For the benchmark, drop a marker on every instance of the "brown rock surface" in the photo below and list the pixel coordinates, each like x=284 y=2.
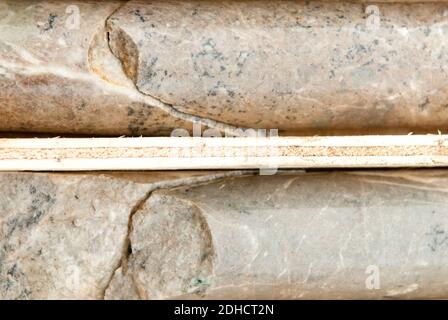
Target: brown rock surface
x=299 y=67
x=62 y=79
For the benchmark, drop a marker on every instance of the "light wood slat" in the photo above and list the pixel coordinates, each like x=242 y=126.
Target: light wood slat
x=167 y=153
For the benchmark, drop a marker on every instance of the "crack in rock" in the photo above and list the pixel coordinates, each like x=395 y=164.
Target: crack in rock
x=127 y=53
x=190 y=181
x=290 y=236
x=56 y=81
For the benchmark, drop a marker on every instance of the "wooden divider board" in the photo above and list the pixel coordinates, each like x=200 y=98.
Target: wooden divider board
x=169 y=153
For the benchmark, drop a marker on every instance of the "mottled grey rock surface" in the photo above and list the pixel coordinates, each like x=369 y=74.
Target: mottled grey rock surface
x=131 y=68
x=288 y=64
x=63 y=235
x=314 y=235
x=378 y=234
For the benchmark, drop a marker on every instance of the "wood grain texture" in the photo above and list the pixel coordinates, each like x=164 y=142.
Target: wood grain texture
x=85 y=154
